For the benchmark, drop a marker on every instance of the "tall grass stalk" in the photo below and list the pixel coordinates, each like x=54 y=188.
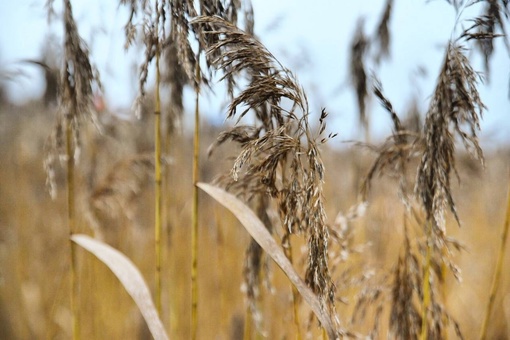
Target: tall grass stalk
x=157 y=170
x=295 y=294
x=71 y=222
x=426 y=285
x=444 y=294
x=194 y=217
x=497 y=274
x=157 y=179
x=248 y=325
x=75 y=91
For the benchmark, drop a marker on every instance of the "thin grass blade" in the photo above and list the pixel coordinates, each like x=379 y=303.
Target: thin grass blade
x=130 y=277
x=257 y=230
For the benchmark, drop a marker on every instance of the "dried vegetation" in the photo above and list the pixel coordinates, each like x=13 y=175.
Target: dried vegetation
x=281 y=167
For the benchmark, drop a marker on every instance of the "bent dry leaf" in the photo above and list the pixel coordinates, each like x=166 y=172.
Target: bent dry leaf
x=258 y=231
x=130 y=277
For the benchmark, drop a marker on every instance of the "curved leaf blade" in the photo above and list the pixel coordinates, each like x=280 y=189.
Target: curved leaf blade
x=130 y=277
x=257 y=230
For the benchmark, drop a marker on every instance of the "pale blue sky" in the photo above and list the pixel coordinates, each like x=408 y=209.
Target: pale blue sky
x=311 y=38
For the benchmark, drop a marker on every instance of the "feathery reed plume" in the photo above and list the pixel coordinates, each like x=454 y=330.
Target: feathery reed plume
x=393 y=158
x=405 y=318
x=158 y=220
x=358 y=74
x=412 y=278
x=456 y=102
x=245 y=134
x=279 y=156
x=406 y=315
x=383 y=33
x=398 y=150
x=176 y=78
x=485 y=28
x=116 y=194
x=413 y=117
x=186 y=69
x=457 y=4
x=75 y=102
x=180 y=13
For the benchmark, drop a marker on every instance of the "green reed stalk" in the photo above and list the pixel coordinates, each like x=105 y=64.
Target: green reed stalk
x=497 y=274
x=248 y=327
x=157 y=175
x=71 y=222
x=194 y=217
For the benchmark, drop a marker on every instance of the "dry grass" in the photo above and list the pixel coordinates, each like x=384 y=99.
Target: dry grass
x=33 y=246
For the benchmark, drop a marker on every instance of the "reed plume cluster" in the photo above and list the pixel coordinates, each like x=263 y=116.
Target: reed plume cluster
x=186 y=70
x=486 y=27
x=75 y=95
x=455 y=109
x=279 y=168
x=280 y=157
x=456 y=103
x=75 y=90
x=359 y=61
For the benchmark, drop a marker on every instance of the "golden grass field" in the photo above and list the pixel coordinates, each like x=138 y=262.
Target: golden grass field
x=34 y=247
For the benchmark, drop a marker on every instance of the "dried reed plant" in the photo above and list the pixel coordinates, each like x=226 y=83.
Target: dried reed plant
x=393 y=158
x=455 y=106
x=486 y=27
x=280 y=155
x=383 y=36
x=115 y=195
x=358 y=74
x=182 y=13
x=395 y=154
x=75 y=102
x=455 y=103
x=359 y=61
x=153 y=21
x=184 y=69
x=420 y=268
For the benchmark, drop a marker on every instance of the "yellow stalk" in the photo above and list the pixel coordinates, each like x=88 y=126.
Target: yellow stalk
x=72 y=228
x=248 y=325
x=426 y=285
x=194 y=217
x=444 y=272
x=497 y=274
x=295 y=294
x=157 y=176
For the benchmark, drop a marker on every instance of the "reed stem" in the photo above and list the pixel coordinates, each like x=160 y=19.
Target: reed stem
x=157 y=174
x=194 y=217
x=295 y=294
x=497 y=274
x=72 y=229
x=426 y=285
